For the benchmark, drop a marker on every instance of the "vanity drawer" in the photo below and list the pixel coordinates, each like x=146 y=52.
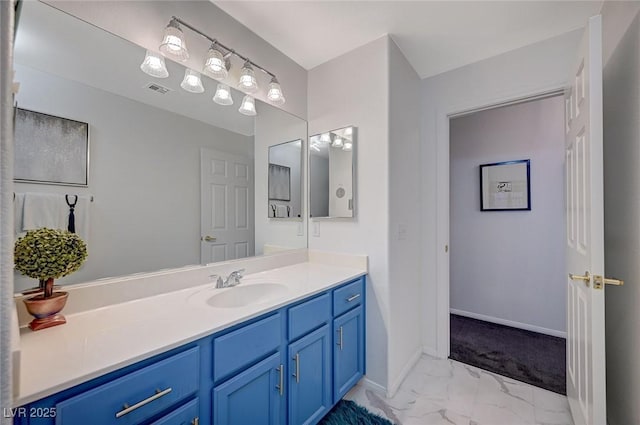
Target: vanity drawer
x=146 y=393
x=184 y=415
x=309 y=315
x=243 y=347
x=348 y=296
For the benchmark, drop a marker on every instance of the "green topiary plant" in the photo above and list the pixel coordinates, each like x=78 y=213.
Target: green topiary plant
x=47 y=254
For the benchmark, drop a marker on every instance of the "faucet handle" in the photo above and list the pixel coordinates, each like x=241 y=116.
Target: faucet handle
x=218 y=280
x=239 y=273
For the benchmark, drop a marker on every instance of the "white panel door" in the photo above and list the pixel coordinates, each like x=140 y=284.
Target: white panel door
x=585 y=232
x=226 y=199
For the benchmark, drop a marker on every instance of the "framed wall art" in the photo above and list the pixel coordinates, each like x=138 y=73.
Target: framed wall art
x=50 y=149
x=505 y=186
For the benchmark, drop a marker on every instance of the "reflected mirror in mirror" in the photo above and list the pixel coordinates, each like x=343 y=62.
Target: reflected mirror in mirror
x=176 y=179
x=285 y=180
x=331 y=173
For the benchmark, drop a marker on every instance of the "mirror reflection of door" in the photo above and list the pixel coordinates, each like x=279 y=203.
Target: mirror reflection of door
x=331 y=174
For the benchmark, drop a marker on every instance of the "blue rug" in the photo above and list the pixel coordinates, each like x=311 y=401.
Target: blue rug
x=346 y=412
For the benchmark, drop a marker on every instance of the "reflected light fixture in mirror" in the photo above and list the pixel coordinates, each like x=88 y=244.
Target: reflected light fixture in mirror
x=192 y=81
x=275 y=92
x=173 y=43
x=154 y=65
x=248 y=106
x=223 y=95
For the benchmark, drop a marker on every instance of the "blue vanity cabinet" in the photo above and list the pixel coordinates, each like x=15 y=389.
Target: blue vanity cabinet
x=252 y=397
x=348 y=352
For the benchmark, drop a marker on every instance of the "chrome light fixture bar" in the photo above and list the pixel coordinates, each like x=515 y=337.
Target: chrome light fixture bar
x=275 y=92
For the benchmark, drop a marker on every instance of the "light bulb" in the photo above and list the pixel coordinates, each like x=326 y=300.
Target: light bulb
x=274 y=94
x=337 y=142
x=192 y=82
x=325 y=137
x=173 y=43
x=154 y=65
x=348 y=131
x=248 y=106
x=248 y=82
x=215 y=64
x=223 y=95
x=348 y=146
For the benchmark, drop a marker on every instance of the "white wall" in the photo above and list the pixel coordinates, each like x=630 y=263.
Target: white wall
x=143 y=23
x=353 y=90
x=515 y=74
x=405 y=221
x=273 y=127
x=340 y=176
x=621 y=49
x=144 y=175
x=510 y=265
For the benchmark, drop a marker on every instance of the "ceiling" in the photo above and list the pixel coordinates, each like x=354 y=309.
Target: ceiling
x=435 y=36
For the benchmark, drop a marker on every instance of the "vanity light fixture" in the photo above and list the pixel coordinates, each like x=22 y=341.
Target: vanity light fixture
x=274 y=94
x=248 y=106
x=348 y=146
x=154 y=65
x=223 y=95
x=325 y=137
x=248 y=82
x=218 y=62
x=337 y=142
x=173 y=43
x=192 y=81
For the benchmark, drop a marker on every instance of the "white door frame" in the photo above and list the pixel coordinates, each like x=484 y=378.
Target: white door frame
x=443 y=347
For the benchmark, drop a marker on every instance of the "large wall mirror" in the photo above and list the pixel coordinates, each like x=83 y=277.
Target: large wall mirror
x=331 y=174
x=175 y=178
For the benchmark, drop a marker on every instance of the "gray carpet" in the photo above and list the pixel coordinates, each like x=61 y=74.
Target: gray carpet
x=531 y=357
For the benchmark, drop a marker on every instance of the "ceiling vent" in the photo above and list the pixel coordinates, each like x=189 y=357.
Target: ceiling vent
x=158 y=88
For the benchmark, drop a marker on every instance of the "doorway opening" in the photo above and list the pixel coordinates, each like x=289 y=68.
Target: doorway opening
x=507 y=236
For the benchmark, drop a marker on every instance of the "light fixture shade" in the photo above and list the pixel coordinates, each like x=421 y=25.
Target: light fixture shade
x=325 y=137
x=248 y=82
x=154 y=65
x=348 y=131
x=337 y=142
x=215 y=64
x=248 y=106
x=274 y=94
x=223 y=95
x=192 y=82
x=173 y=43
x=348 y=146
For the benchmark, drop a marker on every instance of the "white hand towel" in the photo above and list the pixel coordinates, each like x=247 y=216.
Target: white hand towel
x=281 y=211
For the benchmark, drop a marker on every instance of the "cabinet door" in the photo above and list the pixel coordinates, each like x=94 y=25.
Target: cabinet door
x=348 y=352
x=252 y=397
x=310 y=377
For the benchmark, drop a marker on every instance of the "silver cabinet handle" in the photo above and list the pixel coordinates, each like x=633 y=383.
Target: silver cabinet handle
x=353 y=297
x=129 y=409
x=195 y=421
x=208 y=238
x=297 y=374
x=280 y=386
x=340 y=338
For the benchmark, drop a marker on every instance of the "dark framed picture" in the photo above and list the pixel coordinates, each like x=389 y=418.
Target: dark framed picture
x=505 y=186
x=50 y=149
x=279 y=182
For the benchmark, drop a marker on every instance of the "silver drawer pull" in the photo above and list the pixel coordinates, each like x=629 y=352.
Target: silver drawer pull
x=353 y=297
x=129 y=409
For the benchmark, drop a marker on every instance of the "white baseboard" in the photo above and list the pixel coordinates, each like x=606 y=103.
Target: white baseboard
x=430 y=351
x=511 y=323
x=404 y=372
x=373 y=386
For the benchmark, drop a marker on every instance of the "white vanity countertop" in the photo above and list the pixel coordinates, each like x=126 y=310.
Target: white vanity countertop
x=96 y=342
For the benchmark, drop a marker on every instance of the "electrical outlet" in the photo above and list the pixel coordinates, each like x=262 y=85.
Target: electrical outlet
x=402 y=232
x=316 y=228
x=300 y=230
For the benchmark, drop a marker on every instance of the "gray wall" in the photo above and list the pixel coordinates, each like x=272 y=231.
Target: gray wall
x=509 y=266
x=621 y=44
x=405 y=247
x=144 y=175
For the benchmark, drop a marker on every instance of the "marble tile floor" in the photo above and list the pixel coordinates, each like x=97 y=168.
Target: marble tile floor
x=443 y=391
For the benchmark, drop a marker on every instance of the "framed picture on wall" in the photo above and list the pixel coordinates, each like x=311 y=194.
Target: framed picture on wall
x=50 y=149
x=505 y=186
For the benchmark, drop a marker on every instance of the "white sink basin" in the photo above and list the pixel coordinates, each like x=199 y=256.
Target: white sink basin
x=243 y=295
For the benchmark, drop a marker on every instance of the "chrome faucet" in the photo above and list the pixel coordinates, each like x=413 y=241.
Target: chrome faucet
x=232 y=280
